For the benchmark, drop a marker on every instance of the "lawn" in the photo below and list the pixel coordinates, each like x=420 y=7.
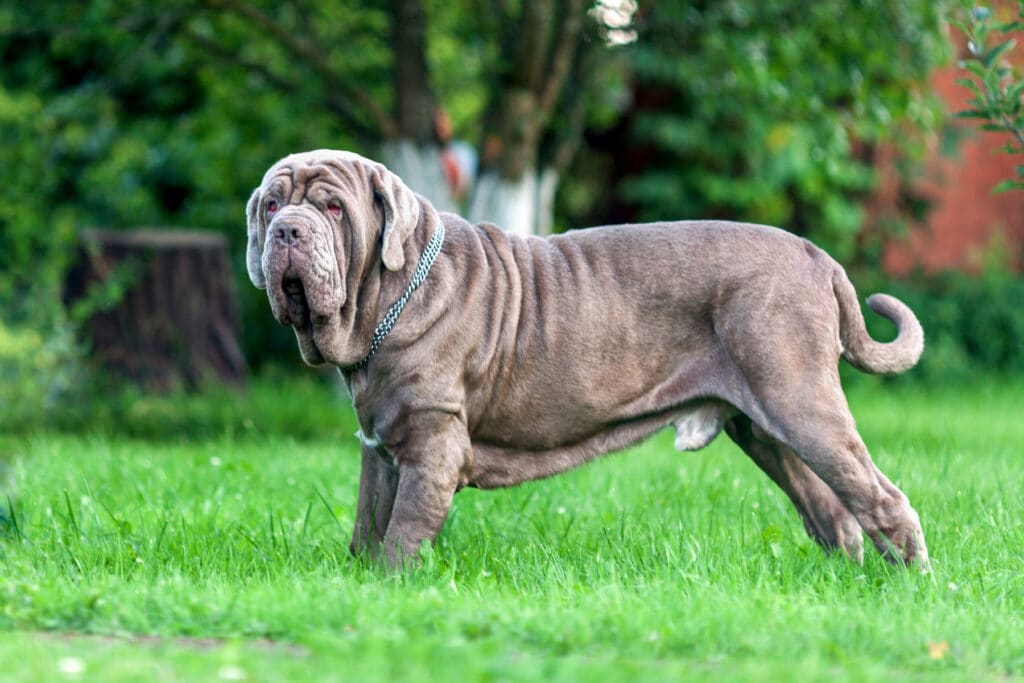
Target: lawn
x=206 y=539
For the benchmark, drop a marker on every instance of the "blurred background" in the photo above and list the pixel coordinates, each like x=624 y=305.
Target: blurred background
x=133 y=134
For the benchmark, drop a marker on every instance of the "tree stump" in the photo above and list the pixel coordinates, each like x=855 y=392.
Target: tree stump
x=158 y=306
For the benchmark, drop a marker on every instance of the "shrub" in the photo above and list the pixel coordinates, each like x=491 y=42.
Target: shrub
x=39 y=373
x=974 y=324
x=998 y=88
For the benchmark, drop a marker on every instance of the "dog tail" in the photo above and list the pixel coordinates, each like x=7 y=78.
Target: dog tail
x=863 y=352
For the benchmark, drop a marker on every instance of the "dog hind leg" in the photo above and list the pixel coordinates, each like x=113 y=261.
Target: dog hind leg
x=818 y=427
x=825 y=518
x=788 y=383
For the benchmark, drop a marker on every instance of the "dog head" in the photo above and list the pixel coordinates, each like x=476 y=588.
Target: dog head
x=319 y=225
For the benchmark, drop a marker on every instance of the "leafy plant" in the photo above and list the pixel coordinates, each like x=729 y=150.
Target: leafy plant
x=973 y=322
x=770 y=112
x=38 y=356
x=998 y=87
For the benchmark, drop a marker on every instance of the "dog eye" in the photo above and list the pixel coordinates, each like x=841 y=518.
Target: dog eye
x=334 y=208
x=271 y=207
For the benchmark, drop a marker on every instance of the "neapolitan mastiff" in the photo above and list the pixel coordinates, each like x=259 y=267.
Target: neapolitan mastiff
x=479 y=358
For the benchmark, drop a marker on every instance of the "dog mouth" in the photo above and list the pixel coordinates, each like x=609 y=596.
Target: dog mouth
x=296 y=311
x=307 y=313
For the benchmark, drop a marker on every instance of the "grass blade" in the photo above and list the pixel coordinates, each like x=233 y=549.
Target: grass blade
x=13 y=519
x=71 y=516
x=329 y=509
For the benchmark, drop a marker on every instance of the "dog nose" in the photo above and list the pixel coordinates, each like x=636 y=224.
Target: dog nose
x=289 y=233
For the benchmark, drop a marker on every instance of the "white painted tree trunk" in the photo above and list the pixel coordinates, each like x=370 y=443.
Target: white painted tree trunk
x=524 y=206
x=420 y=168
x=547 y=184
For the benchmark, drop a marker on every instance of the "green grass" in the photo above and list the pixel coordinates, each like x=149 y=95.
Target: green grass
x=217 y=527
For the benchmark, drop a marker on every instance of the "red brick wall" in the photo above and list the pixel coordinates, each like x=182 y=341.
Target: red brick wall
x=966 y=218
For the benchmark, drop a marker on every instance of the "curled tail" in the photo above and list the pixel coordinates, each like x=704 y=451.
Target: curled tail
x=863 y=352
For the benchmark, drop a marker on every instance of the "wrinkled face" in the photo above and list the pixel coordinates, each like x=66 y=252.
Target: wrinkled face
x=315 y=224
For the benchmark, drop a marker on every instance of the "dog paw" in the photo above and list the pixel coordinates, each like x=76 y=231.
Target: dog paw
x=850 y=539
x=904 y=546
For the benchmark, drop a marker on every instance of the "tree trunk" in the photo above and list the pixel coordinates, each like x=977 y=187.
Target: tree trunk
x=160 y=307
x=509 y=204
x=419 y=166
x=414 y=154
x=547 y=185
x=537 y=56
x=524 y=206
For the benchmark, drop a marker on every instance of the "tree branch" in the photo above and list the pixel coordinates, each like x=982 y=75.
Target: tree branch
x=313 y=56
x=531 y=44
x=336 y=104
x=562 y=142
x=232 y=57
x=565 y=143
x=414 y=100
x=562 y=53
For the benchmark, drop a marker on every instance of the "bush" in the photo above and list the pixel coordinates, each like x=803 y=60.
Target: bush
x=39 y=373
x=38 y=357
x=974 y=325
x=770 y=112
x=315 y=407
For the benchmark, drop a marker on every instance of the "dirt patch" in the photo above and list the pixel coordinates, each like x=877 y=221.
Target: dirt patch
x=184 y=642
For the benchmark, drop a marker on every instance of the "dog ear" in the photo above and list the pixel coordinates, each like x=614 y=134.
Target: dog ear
x=253 y=253
x=401 y=215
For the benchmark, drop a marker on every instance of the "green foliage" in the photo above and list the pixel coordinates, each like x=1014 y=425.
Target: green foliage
x=646 y=566
x=998 y=88
x=114 y=116
x=120 y=114
x=117 y=114
x=973 y=324
x=36 y=234
x=39 y=370
x=767 y=111
x=38 y=356
x=316 y=407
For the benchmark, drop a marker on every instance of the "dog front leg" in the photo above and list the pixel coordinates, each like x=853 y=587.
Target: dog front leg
x=428 y=476
x=378 y=482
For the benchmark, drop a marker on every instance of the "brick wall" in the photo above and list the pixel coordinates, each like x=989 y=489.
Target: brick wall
x=966 y=219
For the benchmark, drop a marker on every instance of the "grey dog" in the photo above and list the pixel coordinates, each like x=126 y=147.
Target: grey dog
x=479 y=358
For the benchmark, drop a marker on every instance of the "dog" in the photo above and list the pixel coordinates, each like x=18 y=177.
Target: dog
x=474 y=357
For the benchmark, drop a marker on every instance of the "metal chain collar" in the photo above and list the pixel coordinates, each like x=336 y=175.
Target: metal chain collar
x=430 y=253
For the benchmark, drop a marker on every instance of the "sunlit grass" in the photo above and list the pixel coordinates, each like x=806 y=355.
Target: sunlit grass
x=646 y=565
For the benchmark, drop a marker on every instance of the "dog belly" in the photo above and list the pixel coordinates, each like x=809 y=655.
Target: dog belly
x=498 y=465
